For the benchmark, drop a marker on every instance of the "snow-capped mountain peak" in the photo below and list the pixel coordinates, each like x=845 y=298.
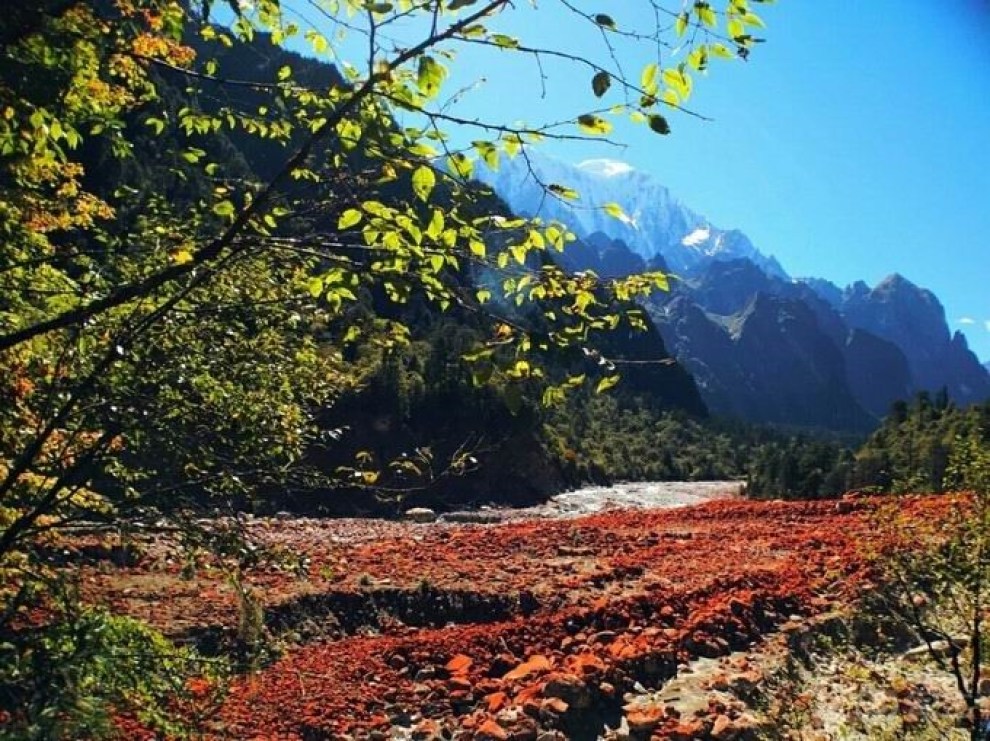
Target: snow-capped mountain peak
x=657 y=222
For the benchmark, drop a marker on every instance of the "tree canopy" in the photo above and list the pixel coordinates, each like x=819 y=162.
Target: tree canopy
x=160 y=295
x=218 y=219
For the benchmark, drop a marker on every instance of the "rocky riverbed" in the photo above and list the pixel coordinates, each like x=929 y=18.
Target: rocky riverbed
x=554 y=624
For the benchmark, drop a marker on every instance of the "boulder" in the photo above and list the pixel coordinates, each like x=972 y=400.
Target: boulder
x=569 y=688
x=421 y=514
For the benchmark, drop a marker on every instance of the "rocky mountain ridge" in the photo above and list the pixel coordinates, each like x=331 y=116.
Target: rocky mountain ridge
x=762 y=346
x=654 y=221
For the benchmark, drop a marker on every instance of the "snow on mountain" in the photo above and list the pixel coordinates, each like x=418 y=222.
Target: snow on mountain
x=657 y=222
x=605 y=167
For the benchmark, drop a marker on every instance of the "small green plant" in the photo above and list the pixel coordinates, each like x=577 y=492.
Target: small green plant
x=69 y=679
x=937 y=578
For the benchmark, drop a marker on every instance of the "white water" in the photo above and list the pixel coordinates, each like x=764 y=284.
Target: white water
x=591 y=499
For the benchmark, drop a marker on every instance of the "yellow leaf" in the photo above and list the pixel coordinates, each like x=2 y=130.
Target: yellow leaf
x=181 y=256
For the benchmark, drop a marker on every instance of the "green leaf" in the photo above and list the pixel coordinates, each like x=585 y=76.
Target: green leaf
x=705 y=14
x=474 y=31
x=751 y=19
x=681 y=24
x=698 y=58
x=648 y=79
x=430 y=76
x=589 y=123
x=315 y=286
x=721 y=50
x=512 y=145
x=350 y=132
x=679 y=81
x=606 y=383
x=317 y=41
x=506 y=42
x=224 y=208
x=284 y=72
x=600 y=83
x=659 y=124
x=156 y=123
x=460 y=164
x=192 y=155
x=488 y=152
x=435 y=227
x=349 y=218
x=423 y=181
x=458 y=4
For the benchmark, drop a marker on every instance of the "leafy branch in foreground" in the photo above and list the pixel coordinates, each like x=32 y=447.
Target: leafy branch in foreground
x=106 y=284
x=208 y=239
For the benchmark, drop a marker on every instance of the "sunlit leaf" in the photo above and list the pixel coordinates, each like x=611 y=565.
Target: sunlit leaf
x=181 y=256
x=423 y=181
x=461 y=165
x=349 y=218
x=506 y=42
x=606 y=383
x=430 y=76
x=224 y=208
x=615 y=211
x=589 y=123
x=648 y=78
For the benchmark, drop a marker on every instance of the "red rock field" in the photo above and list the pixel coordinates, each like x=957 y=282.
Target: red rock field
x=521 y=630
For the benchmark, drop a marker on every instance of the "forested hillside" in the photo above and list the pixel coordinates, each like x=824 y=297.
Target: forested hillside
x=928 y=444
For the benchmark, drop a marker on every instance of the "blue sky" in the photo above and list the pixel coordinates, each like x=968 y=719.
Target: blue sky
x=854 y=143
